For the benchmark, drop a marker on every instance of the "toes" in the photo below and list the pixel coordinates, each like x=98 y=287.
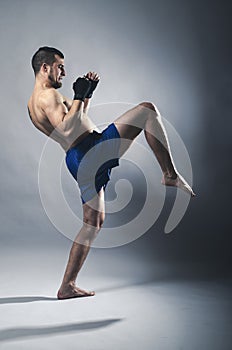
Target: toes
x=87 y=294
x=83 y=293
x=178 y=182
x=78 y=293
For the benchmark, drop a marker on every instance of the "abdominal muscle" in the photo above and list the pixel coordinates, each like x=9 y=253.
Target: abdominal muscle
x=82 y=128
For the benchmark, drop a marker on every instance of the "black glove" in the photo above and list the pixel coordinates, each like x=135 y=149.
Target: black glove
x=81 y=88
x=92 y=87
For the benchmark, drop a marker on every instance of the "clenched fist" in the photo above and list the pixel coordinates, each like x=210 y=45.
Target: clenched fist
x=81 y=88
x=94 y=79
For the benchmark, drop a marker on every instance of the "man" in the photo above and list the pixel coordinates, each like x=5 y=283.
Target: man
x=66 y=121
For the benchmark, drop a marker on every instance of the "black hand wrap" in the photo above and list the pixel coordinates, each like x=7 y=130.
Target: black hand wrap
x=92 y=87
x=81 y=89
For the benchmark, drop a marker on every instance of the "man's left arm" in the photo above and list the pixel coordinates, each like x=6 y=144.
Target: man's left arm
x=69 y=102
x=94 y=78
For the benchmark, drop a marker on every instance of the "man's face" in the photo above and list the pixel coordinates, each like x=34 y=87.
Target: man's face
x=57 y=72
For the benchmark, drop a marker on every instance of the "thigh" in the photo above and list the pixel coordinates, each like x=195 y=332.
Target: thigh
x=129 y=126
x=132 y=122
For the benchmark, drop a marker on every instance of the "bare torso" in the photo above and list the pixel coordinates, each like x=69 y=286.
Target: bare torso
x=41 y=121
x=38 y=117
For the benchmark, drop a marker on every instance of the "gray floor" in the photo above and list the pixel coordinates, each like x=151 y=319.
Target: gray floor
x=131 y=310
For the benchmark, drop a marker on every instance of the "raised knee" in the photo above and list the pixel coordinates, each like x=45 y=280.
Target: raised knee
x=147 y=105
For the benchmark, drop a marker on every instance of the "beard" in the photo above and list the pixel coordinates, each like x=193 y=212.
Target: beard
x=55 y=84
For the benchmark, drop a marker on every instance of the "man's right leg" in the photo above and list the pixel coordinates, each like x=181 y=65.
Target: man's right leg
x=92 y=222
x=146 y=117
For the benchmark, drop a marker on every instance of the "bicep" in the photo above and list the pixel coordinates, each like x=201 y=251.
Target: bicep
x=54 y=109
x=68 y=102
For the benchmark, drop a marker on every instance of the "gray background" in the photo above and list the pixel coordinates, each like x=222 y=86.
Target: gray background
x=173 y=53
x=160 y=291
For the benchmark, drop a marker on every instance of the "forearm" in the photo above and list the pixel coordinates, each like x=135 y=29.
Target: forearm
x=76 y=122
x=73 y=118
x=86 y=105
x=76 y=109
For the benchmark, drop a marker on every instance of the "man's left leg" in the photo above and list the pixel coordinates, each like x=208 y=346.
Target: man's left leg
x=92 y=222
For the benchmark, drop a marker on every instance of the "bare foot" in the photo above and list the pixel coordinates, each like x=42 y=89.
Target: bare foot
x=72 y=291
x=179 y=182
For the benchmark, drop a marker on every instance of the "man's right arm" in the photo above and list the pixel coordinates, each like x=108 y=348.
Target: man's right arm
x=62 y=119
x=69 y=124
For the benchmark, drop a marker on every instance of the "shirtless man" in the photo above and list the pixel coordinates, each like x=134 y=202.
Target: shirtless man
x=66 y=122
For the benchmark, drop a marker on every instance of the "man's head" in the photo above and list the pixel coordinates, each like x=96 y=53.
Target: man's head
x=49 y=62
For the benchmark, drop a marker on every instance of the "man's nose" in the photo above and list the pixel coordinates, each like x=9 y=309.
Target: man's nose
x=63 y=72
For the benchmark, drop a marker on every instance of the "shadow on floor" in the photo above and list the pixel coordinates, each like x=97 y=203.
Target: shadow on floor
x=16 y=300
x=115 y=287
x=227 y=283
x=10 y=334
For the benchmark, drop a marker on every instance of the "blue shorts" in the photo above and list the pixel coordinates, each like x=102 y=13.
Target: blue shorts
x=90 y=161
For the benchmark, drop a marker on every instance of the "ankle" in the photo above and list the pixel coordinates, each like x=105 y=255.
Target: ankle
x=170 y=174
x=67 y=284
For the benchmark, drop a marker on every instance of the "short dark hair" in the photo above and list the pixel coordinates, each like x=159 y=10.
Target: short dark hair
x=44 y=54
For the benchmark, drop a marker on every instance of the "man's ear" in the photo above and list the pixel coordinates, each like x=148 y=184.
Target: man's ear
x=44 y=67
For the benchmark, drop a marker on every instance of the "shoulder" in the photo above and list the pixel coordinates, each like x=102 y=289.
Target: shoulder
x=46 y=97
